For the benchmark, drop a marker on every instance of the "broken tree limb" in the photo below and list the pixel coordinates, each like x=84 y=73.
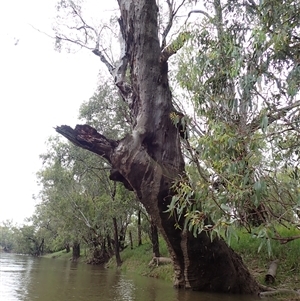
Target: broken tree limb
x=271 y=274
x=88 y=138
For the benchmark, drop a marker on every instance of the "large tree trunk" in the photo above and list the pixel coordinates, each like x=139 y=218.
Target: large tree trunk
x=149 y=159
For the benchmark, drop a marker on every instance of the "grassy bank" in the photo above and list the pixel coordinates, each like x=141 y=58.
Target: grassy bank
x=137 y=261
x=63 y=255
x=288 y=272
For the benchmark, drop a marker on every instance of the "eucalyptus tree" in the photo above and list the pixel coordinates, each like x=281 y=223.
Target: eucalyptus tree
x=7 y=236
x=148 y=159
x=79 y=202
x=240 y=71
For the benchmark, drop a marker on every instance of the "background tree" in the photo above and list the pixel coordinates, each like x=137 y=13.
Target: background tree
x=80 y=202
x=7 y=236
x=239 y=72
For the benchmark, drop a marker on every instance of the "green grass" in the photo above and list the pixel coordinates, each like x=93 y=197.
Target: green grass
x=258 y=259
x=247 y=245
x=137 y=261
x=65 y=256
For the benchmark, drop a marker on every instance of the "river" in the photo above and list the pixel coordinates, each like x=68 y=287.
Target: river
x=24 y=278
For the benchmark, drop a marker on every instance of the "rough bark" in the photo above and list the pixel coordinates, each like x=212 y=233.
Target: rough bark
x=116 y=243
x=149 y=159
x=154 y=239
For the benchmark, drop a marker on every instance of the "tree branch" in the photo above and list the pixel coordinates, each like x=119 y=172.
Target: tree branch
x=285 y=240
x=174 y=46
x=103 y=59
x=273 y=116
x=88 y=138
x=172 y=14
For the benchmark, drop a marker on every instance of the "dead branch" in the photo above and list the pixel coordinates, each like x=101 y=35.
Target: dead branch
x=88 y=138
x=172 y=14
x=285 y=240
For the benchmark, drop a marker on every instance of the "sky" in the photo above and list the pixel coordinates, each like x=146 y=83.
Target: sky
x=39 y=89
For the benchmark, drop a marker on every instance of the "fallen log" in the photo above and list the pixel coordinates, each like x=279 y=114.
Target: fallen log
x=271 y=274
x=156 y=261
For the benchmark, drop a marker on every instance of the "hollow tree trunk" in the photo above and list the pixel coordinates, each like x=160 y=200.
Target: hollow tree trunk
x=149 y=159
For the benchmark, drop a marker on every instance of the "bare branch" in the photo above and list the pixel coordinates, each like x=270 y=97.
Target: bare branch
x=85 y=25
x=88 y=138
x=104 y=60
x=199 y=12
x=77 y=42
x=169 y=25
x=172 y=14
x=273 y=116
x=285 y=240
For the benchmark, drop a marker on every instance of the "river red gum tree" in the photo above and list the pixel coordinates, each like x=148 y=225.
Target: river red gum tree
x=149 y=159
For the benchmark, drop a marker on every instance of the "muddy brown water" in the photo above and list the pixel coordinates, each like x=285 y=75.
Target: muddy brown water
x=23 y=278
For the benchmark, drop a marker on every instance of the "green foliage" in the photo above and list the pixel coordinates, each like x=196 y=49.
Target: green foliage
x=106 y=112
x=8 y=236
x=78 y=199
x=137 y=261
x=257 y=253
x=240 y=70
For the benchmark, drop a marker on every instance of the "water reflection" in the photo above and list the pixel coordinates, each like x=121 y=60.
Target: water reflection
x=25 y=278
x=14 y=276
x=125 y=290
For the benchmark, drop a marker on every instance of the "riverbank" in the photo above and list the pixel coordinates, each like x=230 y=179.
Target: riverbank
x=287 y=274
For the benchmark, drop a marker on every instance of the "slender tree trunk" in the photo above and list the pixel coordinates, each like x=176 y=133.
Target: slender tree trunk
x=75 y=251
x=139 y=229
x=149 y=159
x=154 y=239
x=131 y=242
x=110 y=249
x=117 y=249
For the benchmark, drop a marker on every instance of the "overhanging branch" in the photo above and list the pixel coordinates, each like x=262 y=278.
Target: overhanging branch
x=273 y=116
x=88 y=138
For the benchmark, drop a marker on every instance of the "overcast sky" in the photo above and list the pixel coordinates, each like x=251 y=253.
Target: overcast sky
x=39 y=90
